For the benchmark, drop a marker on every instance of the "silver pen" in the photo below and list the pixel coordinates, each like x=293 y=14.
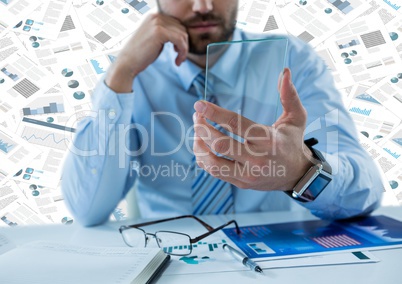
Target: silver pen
x=245 y=260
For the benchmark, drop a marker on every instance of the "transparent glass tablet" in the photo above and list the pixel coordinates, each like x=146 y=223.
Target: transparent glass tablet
x=245 y=78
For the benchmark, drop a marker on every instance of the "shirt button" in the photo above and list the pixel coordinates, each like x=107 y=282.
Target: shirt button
x=94 y=171
x=112 y=114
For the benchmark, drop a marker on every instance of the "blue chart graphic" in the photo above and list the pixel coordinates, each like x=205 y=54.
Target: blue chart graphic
x=13 y=76
x=67 y=221
x=398 y=141
x=98 y=68
x=112 y=58
x=6 y=146
x=367 y=98
x=6 y=1
x=51 y=108
x=45 y=138
x=200 y=245
x=295 y=238
x=5 y=218
x=393 y=36
x=140 y=6
x=353 y=42
x=365 y=112
x=343 y=6
x=393 y=154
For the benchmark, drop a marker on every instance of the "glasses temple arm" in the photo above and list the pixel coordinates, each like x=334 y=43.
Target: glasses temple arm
x=215 y=230
x=208 y=227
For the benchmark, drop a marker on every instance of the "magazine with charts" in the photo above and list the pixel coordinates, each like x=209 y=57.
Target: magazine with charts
x=294 y=239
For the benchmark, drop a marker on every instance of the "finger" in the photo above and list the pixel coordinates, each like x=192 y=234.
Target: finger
x=229 y=120
x=179 y=39
x=230 y=171
x=218 y=141
x=176 y=33
x=217 y=166
x=292 y=107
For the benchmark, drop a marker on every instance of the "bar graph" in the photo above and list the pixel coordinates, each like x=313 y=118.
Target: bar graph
x=352 y=42
x=51 y=108
x=140 y=6
x=393 y=154
x=200 y=245
x=344 y=6
x=6 y=146
x=12 y=74
x=365 y=112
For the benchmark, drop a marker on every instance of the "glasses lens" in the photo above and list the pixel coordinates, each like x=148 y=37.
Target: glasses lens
x=134 y=237
x=174 y=243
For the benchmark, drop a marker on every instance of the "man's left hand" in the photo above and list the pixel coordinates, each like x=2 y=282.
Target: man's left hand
x=269 y=157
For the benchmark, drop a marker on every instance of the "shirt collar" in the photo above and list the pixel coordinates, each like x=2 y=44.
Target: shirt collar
x=225 y=68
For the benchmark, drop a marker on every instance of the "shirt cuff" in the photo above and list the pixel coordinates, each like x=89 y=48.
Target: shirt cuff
x=114 y=104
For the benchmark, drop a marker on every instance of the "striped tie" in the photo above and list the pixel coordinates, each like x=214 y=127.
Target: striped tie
x=209 y=194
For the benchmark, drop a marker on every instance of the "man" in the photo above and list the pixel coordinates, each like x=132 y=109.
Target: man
x=145 y=112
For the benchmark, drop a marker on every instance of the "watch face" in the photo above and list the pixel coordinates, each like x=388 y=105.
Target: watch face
x=316 y=187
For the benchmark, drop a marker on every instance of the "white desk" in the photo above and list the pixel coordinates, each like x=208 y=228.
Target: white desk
x=385 y=271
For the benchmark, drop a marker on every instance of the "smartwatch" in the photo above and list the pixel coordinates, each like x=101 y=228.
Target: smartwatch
x=315 y=179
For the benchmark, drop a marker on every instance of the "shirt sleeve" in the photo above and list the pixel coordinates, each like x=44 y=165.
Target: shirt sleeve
x=356 y=187
x=96 y=174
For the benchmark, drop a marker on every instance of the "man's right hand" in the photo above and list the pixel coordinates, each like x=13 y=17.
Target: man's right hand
x=144 y=48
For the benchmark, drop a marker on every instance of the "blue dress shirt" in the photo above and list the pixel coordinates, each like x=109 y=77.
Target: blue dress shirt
x=146 y=136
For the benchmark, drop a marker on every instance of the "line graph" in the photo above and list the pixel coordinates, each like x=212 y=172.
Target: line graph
x=45 y=138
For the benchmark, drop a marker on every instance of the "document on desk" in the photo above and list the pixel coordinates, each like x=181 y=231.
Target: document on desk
x=49 y=262
x=208 y=256
x=306 y=238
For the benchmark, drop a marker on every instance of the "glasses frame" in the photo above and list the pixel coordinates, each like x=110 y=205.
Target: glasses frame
x=210 y=229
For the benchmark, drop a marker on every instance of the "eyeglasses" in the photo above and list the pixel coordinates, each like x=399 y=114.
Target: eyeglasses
x=173 y=243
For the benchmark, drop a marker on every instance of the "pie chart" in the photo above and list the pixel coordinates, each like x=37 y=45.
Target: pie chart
x=79 y=95
x=353 y=53
x=393 y=35
x=67 y=72
x=73 y=84
x=393 y=184
x=33 y=187
x=67 y=221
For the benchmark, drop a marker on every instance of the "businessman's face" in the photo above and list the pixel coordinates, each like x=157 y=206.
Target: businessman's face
x=206 y=21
